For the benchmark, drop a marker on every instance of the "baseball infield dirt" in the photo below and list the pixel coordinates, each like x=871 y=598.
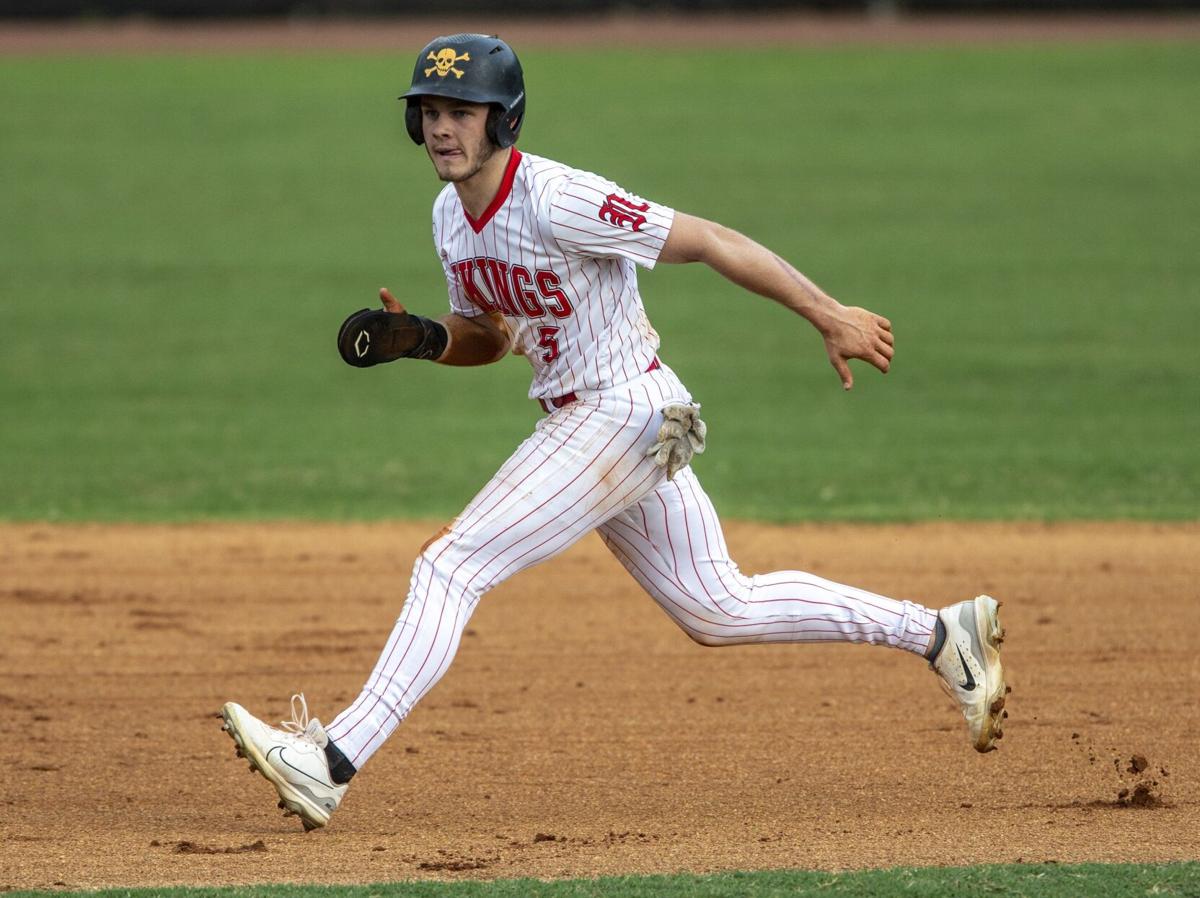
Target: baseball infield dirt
x=580 y=733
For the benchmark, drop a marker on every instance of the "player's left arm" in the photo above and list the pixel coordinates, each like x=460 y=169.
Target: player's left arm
x=849 y=332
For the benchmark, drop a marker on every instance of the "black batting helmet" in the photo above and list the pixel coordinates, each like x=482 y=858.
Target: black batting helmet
x=472 y=67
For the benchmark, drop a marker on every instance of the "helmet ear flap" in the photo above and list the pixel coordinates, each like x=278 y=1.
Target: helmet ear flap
x=493 y=122
x=412 y=120
x=503 y=125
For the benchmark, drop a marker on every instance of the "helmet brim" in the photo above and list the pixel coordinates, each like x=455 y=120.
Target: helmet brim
x=451 y=92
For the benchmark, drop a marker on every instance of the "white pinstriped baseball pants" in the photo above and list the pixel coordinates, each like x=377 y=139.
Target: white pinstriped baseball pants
x=584 y=468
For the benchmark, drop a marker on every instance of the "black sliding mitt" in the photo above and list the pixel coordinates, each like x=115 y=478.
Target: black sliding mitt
x=372 y=336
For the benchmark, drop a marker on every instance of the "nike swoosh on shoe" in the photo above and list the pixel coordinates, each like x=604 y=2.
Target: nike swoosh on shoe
x=969 y=685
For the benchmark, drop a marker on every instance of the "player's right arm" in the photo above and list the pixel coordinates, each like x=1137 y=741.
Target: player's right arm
x=849 y=332
x=371 y=337
x=479 y=340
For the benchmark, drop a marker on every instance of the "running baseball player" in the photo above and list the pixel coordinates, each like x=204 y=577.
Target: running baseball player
x=540 y=260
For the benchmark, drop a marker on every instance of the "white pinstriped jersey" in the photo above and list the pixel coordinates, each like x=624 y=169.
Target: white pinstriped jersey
x=555 y=253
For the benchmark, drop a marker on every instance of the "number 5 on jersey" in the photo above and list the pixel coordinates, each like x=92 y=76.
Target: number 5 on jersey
x=548 y=340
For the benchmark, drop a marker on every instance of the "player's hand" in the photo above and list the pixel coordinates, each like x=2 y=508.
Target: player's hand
x=390 y=303
x=859 y=334
x=371 y=336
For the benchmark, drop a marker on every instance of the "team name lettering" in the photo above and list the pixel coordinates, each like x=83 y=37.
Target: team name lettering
x=497 y=280
x=521 y=279
x=549 y=286
x=465 y=274
x=494 y=286
x=621 y=211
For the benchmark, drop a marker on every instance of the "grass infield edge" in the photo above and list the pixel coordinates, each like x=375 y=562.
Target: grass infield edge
x=1044 y=879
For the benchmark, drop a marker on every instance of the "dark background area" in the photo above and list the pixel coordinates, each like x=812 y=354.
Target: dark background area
x=42 y=9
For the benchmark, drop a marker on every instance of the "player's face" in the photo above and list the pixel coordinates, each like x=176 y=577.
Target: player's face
x=455 y=136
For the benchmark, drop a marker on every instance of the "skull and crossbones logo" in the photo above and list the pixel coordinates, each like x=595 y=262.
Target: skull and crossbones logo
x=444 y=61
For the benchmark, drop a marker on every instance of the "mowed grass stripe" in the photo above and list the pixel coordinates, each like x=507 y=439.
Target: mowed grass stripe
x=183 y=235
x=1029 y=881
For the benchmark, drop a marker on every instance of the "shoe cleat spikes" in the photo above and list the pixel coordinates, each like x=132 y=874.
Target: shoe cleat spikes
x=308 y=827
x=997 y=705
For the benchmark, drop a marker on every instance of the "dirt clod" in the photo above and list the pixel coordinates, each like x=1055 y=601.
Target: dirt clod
x=1144 y=795
x=1137 y=764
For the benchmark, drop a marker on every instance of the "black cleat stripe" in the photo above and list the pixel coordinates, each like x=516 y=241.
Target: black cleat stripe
x=969 y=685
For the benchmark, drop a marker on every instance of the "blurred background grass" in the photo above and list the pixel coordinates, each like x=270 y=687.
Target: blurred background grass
x=182 y=236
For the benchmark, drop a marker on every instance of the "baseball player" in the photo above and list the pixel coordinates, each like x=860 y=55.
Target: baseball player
x=540 y=260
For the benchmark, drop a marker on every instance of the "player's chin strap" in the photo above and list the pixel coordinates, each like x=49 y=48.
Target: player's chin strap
x=679 y=438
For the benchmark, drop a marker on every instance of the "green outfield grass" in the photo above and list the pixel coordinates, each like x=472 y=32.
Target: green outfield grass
x=182 y=236
x=1025 y=880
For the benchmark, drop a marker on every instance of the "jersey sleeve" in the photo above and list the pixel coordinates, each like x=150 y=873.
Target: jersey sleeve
x=591 y=216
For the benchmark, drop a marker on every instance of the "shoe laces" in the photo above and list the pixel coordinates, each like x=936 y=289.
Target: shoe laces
x=301 y=727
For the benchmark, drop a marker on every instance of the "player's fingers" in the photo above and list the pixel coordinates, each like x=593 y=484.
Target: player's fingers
x=887 y=337
x=885 y=350
x=883 y=322
x=880 y=361
x=390 y=302
x=843 y=371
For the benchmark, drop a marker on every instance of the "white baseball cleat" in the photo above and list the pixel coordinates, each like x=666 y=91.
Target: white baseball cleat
x=292 y=759
x=968 y=665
